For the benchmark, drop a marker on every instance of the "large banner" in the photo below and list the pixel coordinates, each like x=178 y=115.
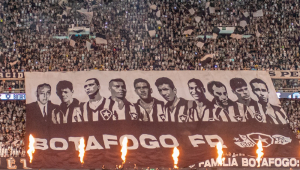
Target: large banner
x=156 y=111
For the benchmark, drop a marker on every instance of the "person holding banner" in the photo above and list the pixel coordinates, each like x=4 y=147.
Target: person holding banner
x=274 y=114
x=197 y=90
x=245 y=102
x=176 y=109
x=68 y=109
x=96 y=105
x=148 y=108
x=223 y=108
x=122 y=109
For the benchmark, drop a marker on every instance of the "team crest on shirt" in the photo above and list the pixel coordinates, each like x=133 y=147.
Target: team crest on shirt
x=258 y=117
x=163 y=117
x=238 y=118
x=183 y=118
x=106 y=114
x=134 y=116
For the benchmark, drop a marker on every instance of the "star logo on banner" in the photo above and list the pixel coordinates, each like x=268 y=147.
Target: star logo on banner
x=262 y=139
x=238 y=118
x=183 y=118
x=266 y=140
x=106 y=114
x=134 y=116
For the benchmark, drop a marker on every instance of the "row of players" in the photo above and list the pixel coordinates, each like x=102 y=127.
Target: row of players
x=150 y=109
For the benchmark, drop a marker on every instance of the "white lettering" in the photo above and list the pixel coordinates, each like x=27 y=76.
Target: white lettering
x=293 y=162
x=224 y=163
x=11 y=163
x=163 y=143
x=109 y=140
x=20 y=75
x=76 y=141
x=40 y=144
x=23 y=161
x=153 y=143
x=212 y=144
x=285 y=162
x=234 y=162
x=200 y=164
x=207 y=164
x=64 y=143
x=252 y=162
x=7 y=75
x=278 y=162
x=271 y=161
x=133 y=139
x=213 y=162
x=244 y=162
x=264 y=162
x=196 y=139
x=92 y=144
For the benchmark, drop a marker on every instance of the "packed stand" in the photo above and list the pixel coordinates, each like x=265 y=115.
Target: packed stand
x=12 y=119
x=12 y=86
x=149 y=35
x=282 y=85
x=292 y=109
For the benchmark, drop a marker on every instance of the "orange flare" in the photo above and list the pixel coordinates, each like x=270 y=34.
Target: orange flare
x=81 y=150
x=124 y=149
x=259 y=152
x=175 y=157
x=220 y=153
x=31 y=149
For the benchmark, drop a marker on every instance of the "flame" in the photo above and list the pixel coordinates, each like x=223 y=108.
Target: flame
x=259 y=152
x=124 y=149
x=220 y=153
x=175 y=157
x=81 y=150
x=31 y=149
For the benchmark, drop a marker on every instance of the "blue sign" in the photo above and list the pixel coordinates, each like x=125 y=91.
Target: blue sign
x=13 y=96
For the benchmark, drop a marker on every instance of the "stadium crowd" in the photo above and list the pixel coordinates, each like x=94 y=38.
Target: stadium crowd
x=292 y=109
x=12 y=120
x=143 y=35
x=28 y=28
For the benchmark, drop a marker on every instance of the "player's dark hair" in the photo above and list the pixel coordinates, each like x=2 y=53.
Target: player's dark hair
x=43 y=85
x=237 y=83
x=64 y=85
x=214 y=83
x=96 y=81
x=117 y=80
x=256 y=80
x=164 y=80
x=198 y=83
x=140 y=80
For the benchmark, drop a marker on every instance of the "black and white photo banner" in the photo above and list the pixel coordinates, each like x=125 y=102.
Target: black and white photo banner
x=156 y=111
